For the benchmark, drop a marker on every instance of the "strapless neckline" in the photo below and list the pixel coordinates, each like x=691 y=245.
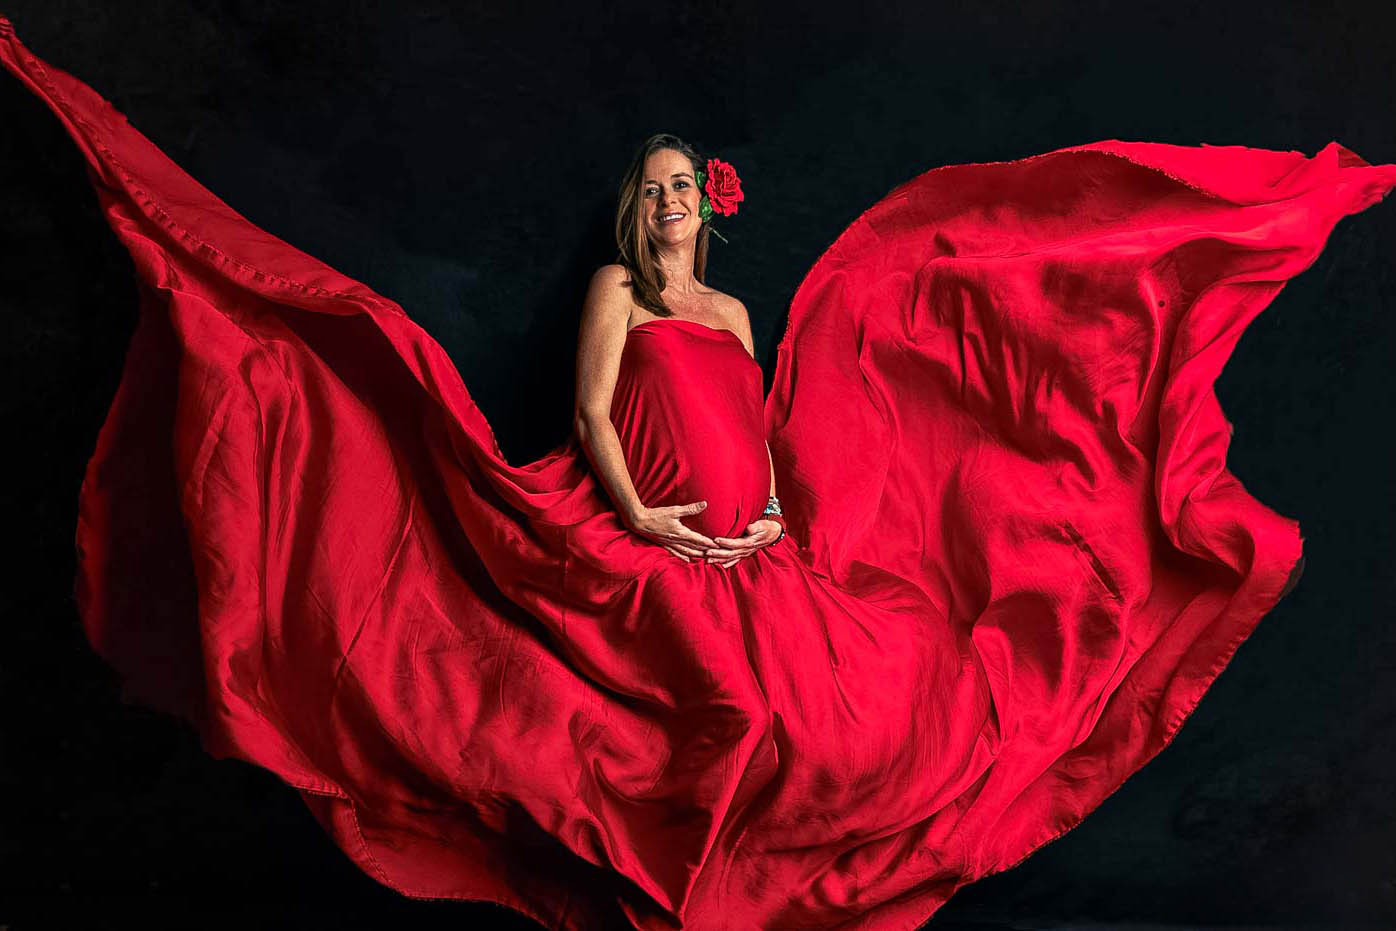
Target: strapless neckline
x=717 y=331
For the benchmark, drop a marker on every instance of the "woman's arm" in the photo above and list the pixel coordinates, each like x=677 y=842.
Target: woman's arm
x=605 y=317
x=742 y=327
x=773 y=469
x=605 y=322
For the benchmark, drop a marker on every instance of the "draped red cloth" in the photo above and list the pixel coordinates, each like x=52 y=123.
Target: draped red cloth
x=1016 y=557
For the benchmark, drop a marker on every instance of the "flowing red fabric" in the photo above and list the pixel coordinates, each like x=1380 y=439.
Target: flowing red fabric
x=1016 y=557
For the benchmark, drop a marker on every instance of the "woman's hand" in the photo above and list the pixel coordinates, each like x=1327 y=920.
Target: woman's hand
x=663 y=526
x=759 y=533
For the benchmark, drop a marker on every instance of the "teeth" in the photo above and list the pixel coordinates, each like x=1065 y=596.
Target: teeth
x=671 y=216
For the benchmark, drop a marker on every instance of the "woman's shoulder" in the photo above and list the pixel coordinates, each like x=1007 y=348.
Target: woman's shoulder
x=732 y=312
x=610 y=287
x=614 y=274
x=727 y=303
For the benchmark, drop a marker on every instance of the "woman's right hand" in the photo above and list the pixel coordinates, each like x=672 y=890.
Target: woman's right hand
x=663 y=526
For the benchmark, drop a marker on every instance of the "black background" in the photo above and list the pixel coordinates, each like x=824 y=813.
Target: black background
x=463 y=160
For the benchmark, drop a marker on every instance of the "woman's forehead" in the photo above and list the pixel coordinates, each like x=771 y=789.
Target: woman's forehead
x=667 y=161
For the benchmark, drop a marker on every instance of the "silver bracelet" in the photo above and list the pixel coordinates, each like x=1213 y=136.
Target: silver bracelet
x=773 y=507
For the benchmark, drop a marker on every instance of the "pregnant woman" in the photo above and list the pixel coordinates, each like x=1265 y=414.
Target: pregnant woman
x=606 y=688
x=687 y=423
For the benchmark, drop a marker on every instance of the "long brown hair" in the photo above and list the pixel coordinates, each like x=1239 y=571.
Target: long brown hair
x=636 y=250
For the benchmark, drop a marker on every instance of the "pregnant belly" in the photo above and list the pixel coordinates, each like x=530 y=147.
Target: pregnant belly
x=734 y=478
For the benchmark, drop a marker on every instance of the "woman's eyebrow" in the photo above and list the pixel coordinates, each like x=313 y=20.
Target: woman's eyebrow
x=677 y=174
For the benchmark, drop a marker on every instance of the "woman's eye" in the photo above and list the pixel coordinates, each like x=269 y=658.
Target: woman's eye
x=651 y=192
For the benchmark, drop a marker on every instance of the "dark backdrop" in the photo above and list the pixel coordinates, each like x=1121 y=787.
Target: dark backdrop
x=463 y=160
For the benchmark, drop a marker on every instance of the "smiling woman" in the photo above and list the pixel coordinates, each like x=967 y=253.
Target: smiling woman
x=662 y=182
x=1016 y=558
x=638 y=422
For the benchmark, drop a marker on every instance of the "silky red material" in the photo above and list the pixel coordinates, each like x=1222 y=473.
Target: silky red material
x=1016 y=558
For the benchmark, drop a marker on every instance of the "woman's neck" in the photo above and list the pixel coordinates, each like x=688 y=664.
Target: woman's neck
x=678 y=271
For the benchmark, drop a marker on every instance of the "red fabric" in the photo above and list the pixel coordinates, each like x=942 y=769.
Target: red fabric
x=1016 y=558
x=688 y=409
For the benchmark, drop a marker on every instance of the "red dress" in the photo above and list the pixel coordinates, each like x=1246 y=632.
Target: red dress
x=1016 y=558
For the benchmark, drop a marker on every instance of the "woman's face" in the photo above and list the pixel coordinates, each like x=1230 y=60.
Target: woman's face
x=669 y=189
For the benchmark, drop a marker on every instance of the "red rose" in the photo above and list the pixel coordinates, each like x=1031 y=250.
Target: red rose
x=723 y=187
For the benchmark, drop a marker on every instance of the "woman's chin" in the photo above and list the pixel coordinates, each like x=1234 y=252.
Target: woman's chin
x=670 y=237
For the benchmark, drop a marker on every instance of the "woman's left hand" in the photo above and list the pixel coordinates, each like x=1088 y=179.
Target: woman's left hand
x=759 y=533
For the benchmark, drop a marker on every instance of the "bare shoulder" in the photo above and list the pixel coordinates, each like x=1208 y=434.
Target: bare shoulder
x=610 y=276
x=736 y=308
x=735 y=314
x=612 y=272
x=610 y=284
x=608 y=301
